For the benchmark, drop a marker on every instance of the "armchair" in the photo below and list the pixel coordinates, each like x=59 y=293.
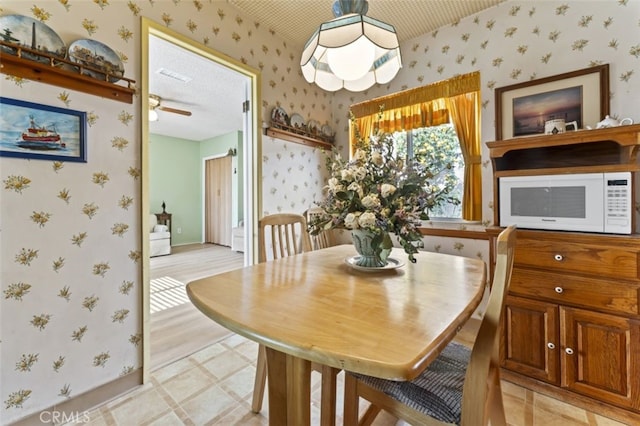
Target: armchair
x=159 y=238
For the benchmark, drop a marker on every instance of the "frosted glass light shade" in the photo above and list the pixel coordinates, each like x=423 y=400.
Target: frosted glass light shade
x=338 y=54
x=352 y=61
x=153 y=115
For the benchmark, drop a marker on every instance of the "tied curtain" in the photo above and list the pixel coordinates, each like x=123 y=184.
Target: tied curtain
x=455 y=101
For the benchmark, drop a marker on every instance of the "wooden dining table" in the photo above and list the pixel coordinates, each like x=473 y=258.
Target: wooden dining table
x=315 y=307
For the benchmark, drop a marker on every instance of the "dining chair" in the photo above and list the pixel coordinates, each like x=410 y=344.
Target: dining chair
x=323 y=239
x=282 y=235
x=461 y=386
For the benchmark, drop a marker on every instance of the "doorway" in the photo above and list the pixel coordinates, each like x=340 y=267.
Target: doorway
x=250 y=151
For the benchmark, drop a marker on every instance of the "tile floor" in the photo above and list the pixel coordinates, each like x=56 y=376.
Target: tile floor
x=214 y=387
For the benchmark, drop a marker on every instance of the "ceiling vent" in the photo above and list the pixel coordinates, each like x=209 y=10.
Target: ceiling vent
x=174 y=75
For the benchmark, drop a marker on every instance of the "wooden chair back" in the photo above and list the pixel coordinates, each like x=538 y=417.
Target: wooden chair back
x=481 y=395
x=481 y=391
x=287 y=235
x=282 y=235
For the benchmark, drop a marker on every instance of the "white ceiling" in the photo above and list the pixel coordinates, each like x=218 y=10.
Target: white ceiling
x=214 y=93
x=214 y=90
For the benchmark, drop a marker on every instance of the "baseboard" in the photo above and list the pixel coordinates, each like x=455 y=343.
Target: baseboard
x=77 y=407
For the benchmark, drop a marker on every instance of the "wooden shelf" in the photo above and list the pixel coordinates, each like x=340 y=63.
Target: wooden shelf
x=71 y=78
x=583 y=151
x=613 y=149
x=297 y=138
x=628 y=136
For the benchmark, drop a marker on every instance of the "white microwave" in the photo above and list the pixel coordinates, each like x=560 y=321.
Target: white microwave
x=586 y=202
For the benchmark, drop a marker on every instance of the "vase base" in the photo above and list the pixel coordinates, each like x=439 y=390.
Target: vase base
x=391 y=264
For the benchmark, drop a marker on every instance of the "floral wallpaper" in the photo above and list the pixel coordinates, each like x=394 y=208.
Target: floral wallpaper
x=70 y=304
x=292 y=176
x=517 y=41
x=70 y=254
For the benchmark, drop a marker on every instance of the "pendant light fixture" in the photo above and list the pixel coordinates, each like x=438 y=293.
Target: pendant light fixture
x=352 y=51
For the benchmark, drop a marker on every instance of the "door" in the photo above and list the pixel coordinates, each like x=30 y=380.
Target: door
x=599 y=356
x=218 y=199
x=531 y=338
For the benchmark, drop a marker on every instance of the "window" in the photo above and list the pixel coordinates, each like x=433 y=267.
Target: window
x=438 y=148
x=455 y=101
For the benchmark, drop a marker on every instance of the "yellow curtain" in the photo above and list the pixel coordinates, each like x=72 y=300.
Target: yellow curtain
x=465 y=114
x=424 y=114
x=410 y=109
x=442 y=89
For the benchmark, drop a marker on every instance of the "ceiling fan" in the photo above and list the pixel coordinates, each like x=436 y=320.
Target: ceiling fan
x=155 y=103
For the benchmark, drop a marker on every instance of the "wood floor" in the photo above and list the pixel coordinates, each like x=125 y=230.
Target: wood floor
x=178 y=329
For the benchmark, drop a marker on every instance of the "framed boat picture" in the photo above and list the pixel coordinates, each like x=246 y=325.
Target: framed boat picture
x=42 y=132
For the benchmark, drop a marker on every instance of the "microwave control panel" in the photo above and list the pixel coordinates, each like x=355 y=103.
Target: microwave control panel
x=618 y=206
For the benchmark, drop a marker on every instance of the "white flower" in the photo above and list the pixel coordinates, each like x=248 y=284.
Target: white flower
x=376 y=158
x=351 y=221
x=367 y=220
x=355 y=187
x=359 y=155
x=387 y=189
x=360 y=173
x=333 y=184
x=371 y=201
x=347 y=175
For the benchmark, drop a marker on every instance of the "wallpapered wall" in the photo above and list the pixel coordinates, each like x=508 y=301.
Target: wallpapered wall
x=517 y=41
x=70 y=305
x=70 y=244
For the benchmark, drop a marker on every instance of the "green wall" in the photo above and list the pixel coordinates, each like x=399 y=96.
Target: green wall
x=175 y=177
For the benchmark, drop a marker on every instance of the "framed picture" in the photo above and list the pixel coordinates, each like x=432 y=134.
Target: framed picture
x=582 y=96
x=42 y=132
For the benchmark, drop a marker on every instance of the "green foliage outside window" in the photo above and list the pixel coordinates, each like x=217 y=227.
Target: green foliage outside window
x=439 y=149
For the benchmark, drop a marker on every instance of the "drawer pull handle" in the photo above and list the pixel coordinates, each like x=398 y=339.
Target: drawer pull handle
x=558 y=257
x=559 y=290
x=551 y=345
x=569 y=351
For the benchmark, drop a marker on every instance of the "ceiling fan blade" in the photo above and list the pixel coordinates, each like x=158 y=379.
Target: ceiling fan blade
x=175 y=111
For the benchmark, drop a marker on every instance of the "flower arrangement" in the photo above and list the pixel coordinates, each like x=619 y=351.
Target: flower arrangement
x=378 y=191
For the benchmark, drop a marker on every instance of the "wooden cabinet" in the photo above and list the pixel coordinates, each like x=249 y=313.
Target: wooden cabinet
x=599 y=356
x=571 y=327
x=588 y=352
x=572 y=317
x=531 y=339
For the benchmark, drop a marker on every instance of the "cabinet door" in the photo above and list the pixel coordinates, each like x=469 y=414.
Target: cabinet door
x=600 y=356
x=530 y=333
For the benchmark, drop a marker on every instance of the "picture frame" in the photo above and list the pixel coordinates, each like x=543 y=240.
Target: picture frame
x=42 y=132
x=523 y=108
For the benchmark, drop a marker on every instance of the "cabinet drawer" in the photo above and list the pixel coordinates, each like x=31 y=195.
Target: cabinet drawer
x=602 y=295
x=590 y=259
